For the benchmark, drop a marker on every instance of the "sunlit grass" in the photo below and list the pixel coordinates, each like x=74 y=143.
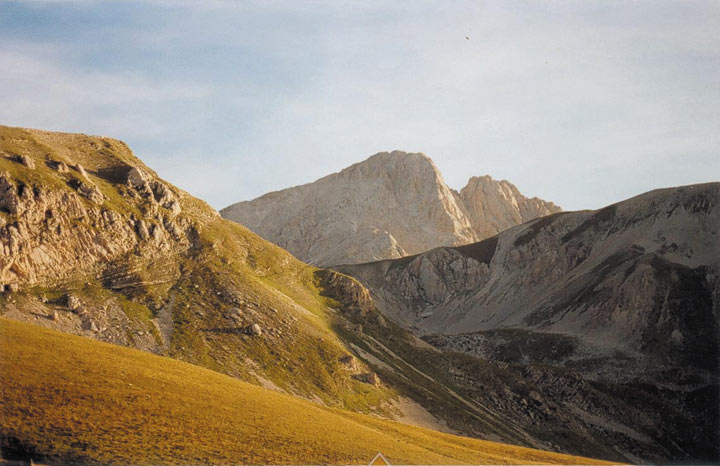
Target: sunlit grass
x=75 y=399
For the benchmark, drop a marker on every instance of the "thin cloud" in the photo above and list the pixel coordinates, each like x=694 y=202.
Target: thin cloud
x=51 y=95
x=582 y=103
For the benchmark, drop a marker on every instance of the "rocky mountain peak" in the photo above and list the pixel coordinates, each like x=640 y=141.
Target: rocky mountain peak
x=396 y=158
x=493 y=206
x=390 y=205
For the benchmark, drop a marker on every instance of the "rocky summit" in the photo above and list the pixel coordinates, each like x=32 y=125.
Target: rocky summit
x=391 y=205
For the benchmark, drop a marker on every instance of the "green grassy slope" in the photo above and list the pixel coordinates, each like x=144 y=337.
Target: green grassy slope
x=71 y=399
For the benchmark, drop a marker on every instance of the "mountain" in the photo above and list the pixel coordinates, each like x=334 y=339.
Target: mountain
x=94 y=243
x=388 y=206
x=162 y=411
x=624 y=300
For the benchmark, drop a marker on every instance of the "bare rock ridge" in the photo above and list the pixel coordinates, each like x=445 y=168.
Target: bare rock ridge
x=557 y=268
x=625 y=300
x=391 y=205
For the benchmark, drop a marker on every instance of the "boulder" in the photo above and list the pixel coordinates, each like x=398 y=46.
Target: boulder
x=27 y=161
x=368 y=378
x=255 y=329
x=142 y=230
x=162 y=193
x=91 y=192
x=172 y=228
x=348 y=361
x=60 y=167
x=73 y=303
x=174 y=207
x=81 y=170
x=381 y=321
x=137 y=178
x=89 y=325
x=12 y=287
x=157 y=233
x=535 y=396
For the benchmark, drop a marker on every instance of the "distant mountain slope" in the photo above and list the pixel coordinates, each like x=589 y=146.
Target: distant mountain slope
x=626 y=296
x=599 y=272
x=62 y=394
x=390 y=205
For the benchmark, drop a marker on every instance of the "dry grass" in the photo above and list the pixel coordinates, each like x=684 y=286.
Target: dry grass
x=72 y=399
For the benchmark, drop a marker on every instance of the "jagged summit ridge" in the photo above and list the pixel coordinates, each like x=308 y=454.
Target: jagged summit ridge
x=390 y=205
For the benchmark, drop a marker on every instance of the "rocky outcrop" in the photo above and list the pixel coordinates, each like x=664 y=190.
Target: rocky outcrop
x=9 y=194
x=391 y=205
x=55 y=226
x=352 y=296
x=27 y=161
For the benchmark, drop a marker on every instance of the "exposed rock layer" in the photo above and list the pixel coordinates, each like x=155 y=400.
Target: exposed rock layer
x=93 y=242
x=626 y=298
x=388 y=206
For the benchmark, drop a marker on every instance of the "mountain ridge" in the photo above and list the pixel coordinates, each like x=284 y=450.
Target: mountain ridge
x=389 y=205
x=626 y=296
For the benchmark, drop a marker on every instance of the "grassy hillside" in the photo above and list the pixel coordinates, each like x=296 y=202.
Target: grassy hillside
x=190 y=298
x=71 y=399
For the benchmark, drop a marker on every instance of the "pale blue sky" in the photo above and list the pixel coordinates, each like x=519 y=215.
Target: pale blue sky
x=580 y=102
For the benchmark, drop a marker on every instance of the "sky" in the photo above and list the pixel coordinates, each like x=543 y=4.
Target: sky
x=583 y=103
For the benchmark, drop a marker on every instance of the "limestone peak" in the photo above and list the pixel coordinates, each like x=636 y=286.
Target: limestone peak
x=389 y=205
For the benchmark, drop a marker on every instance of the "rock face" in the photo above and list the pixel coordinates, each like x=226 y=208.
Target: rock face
x=627 y=298
x=591 y=272
x=388 y=206
x=354 y=297
x=493 y=206
x=55 y=226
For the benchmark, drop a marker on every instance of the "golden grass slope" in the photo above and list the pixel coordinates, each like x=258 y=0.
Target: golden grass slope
x=198 y=284
x=75 y=400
